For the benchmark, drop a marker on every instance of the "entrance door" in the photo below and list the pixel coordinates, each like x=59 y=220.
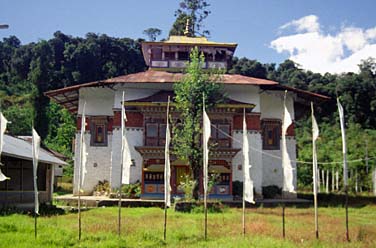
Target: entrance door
x=180 y=172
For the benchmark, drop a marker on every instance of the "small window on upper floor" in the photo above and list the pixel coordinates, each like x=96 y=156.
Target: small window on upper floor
x=183 y=56
x=169 y=55
x=220 y=56
x=271 y=134
x=98 y=131
x=156 y=53
x=221 y=134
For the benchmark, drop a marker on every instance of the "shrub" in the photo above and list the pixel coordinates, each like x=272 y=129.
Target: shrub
x=187 y=185
x=102 y=188
x=271 y=191
x=131 y=190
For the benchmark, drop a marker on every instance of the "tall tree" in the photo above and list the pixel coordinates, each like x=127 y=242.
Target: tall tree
x=197 y=11
x=152 y=33
x=189 y=102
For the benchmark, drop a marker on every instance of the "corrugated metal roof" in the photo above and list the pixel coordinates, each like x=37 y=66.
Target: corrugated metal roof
x=184 y=40
x=68 y=96
x=19 y=148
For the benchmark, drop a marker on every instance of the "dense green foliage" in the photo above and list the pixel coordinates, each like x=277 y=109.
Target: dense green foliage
x=357 y=93
x=27 y=71
x=195 y=11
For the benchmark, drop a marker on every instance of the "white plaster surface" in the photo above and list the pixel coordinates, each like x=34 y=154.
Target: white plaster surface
x=134 y=138
x=272 y=165
x=99 y=101
x=271 y=104
x=99 y=155
x=255 y=158
x=244 y=93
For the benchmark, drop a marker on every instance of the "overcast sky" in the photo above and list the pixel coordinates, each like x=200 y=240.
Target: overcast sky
x=322 y=36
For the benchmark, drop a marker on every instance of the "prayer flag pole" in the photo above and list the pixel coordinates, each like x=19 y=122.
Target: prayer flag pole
x=286 y=162
x=125 y=162
x=81 y=170
x=247 y=182
x=206 y=136
x=315 y=134
x=167 y=187
x=35 y=154
x=344 y=151
x=121 y=164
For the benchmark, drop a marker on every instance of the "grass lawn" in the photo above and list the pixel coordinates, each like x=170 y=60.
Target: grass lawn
x=143 y=227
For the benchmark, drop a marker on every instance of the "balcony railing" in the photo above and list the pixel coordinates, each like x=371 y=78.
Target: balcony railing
x=180 y=64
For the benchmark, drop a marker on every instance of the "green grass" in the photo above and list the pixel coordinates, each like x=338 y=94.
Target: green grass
x=143 y=227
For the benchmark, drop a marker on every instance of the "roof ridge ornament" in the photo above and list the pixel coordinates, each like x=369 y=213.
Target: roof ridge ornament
x=187 y=31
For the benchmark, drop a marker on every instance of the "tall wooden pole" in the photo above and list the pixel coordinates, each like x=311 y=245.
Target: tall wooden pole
x=244 y=165
x=167 y=186
x=121 y=162
x=315 y=169
x=82 y=140
x=205 y=181
x=283 y=221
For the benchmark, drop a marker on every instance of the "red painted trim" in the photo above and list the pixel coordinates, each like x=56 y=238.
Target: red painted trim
x=253 y=122
x=78 y=123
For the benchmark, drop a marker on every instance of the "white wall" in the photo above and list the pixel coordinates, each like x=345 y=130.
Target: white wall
x=134 y=138
x=271 y=104
x=272 y=161
x=244 y=93
x=99 y=101
x=98 y=155
x=255 y=158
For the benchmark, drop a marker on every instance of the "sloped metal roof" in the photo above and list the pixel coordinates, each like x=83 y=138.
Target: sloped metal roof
x=19 y=148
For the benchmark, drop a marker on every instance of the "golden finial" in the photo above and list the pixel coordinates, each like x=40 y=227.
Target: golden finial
x=187 y=29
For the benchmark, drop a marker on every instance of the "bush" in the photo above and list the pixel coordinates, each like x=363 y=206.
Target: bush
x=237 y=188
x=271 y=191
x=187 y=185
x=102 y=189
x=131 y=190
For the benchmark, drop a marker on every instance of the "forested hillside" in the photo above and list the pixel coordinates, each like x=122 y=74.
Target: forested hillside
x=28 y=70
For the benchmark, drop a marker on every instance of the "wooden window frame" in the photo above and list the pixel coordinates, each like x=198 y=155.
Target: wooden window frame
x=273 y=127
x=215 y=137
x=94 y=125
x=160 y=138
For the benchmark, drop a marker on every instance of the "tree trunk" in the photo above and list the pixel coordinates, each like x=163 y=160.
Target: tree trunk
x=323 y=179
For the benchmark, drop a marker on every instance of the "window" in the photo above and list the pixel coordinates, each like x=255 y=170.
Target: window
x=156 y=53
x=220 y=135
x=169 y=55
x=98 y=131
x=271 y=134
x=183 y=56
x=220 y=56
x=155 y=132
